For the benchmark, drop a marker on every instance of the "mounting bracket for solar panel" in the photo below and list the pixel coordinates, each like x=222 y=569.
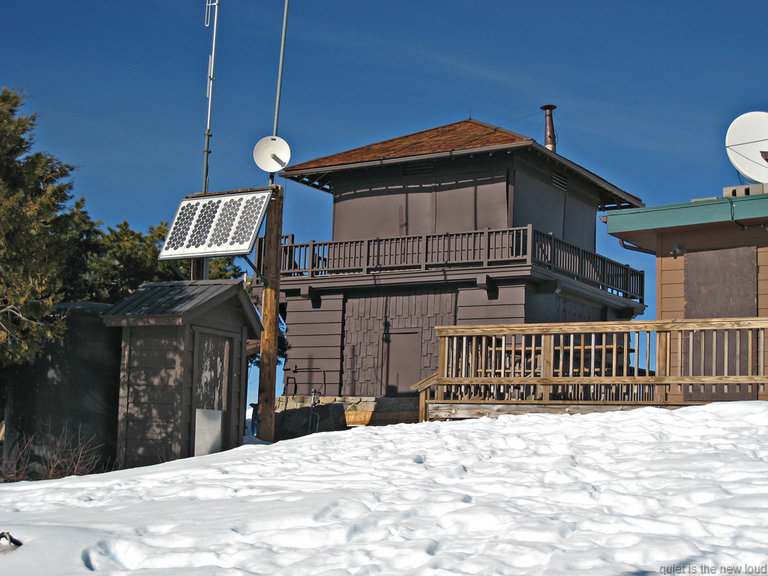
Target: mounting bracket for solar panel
x=256 y=271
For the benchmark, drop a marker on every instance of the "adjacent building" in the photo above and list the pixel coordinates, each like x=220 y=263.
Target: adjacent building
x=711 y=254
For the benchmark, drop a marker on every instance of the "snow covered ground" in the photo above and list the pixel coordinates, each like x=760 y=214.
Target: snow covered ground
x=643 y=492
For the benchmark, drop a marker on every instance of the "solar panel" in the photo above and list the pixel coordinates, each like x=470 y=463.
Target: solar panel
x=216 y=225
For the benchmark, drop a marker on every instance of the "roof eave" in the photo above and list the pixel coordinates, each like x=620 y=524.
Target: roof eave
x=630 y=200
x=313 y=176
x=304 y=175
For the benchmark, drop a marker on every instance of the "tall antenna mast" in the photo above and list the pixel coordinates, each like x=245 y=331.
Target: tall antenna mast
x=210 y=5
x=279 y=81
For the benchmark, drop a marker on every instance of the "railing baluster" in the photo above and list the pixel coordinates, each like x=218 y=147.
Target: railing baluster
x=647 y=352
x=691 y=335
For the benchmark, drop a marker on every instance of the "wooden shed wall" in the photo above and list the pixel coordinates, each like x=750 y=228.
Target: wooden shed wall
x=157 y=404
x=151 y=394
x=227 y=320
x=233 y=418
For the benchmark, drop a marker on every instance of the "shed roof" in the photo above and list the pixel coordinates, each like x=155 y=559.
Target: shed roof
x=173 y=303
x=457 y=139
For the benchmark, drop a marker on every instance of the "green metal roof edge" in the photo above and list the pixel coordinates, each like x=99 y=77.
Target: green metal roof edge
x=688 y=214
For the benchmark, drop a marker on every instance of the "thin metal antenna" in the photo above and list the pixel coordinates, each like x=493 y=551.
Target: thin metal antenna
x=279 y=81
x=209 y=5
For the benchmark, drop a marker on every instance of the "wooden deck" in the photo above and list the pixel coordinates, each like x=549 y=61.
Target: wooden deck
x=486 y=370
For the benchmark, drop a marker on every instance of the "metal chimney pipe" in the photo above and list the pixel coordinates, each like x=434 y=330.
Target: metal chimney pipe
x=549 y=128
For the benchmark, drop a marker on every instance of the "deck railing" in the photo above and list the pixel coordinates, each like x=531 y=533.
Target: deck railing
x=503 y=247
x=639 y=362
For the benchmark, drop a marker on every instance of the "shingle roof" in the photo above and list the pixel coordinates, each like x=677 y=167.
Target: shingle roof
x=173 y=302
x=464 y=135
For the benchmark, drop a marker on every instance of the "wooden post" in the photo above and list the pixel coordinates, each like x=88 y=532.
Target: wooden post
x=663 y=392
x=442 y=367
x=547 y=361
x=265 y=429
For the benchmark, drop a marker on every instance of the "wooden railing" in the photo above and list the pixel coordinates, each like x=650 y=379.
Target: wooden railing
x=640 y=362
x=587 y=267
x=484 y=248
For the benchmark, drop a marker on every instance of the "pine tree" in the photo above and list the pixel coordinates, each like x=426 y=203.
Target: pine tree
x=51 y=251
x=34 y=192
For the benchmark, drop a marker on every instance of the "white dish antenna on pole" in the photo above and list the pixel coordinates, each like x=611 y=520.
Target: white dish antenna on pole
x=271 y=154
x=746 y=143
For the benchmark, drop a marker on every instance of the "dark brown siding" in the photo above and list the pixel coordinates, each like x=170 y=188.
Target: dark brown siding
x=505 y=305
x=451 y=196
x=314 y=338
x=554 y=203
x=346 y=336
x=561 y=308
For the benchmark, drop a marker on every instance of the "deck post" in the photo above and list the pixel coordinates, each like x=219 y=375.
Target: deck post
x=662 y=364
x=529 y=244
x=442 y=366
x=312 y=259
x=547 y=358
x=762 y=389
x=423 y=405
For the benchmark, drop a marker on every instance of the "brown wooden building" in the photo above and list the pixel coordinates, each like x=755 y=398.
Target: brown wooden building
x=463 y=224
x=711 y=254
x=183 y=373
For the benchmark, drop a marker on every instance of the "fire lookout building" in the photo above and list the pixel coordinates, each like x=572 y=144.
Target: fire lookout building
x=466 y=223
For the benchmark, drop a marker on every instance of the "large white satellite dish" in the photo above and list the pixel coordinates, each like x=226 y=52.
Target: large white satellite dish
x=271 y=154
x=746 y=143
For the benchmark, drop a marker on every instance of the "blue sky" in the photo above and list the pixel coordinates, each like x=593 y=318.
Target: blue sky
x=645 y=90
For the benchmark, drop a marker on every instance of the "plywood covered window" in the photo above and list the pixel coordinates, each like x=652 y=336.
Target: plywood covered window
x=721 y=283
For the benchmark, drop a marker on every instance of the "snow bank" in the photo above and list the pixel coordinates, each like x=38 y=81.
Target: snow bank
x=646 y=491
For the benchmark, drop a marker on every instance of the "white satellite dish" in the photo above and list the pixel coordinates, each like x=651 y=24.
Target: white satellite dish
x=746 y=143
x=271 y=154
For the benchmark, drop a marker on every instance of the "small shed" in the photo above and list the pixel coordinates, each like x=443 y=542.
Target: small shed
x=183 y=373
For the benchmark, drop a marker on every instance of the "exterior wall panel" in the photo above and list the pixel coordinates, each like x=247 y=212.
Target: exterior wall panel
x=507 y=305
x=315 y=339
x=531 y=194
